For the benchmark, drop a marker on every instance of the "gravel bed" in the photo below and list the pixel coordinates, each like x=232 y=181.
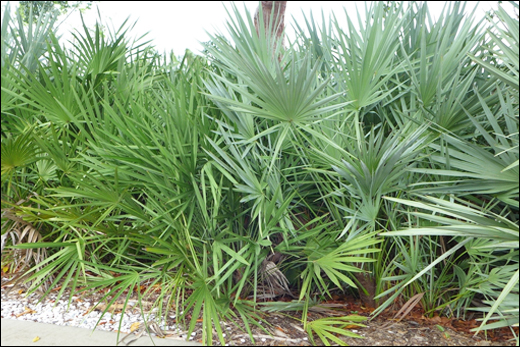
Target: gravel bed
x=78 y=314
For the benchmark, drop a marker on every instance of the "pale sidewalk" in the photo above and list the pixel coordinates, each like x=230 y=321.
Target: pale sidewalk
x=22 y=333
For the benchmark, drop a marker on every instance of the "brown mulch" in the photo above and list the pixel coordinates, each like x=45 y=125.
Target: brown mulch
x=287 y=331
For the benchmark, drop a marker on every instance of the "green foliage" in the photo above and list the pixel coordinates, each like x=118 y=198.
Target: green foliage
x=54 y=8
x=329 y=328
x=384 y=150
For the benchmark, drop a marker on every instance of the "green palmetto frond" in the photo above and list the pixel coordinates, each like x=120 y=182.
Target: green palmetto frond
x=504 y=47
x=365 y=54
x=17 y=152
x=477 y=169
x=481 y=172
x=322 y=255
x=439 y=70
x=30 y=41
x=331 y=328
x=376 y=167
x=499 y=234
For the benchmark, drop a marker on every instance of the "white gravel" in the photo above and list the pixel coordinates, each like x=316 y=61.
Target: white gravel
x=49 y=311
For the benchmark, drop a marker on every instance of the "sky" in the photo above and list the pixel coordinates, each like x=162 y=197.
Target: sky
x=181 y=25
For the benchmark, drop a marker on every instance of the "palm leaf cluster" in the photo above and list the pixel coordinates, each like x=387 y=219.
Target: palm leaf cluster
x=376 y=153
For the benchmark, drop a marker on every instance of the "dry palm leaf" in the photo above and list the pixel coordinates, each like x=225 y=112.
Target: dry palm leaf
x=21 y=231
x=275 y=281
x=407 y=307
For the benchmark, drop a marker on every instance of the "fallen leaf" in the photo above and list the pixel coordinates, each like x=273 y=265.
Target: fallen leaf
x=134 y=326
x=280 y=333
x=37 y=338
x=351 y=326
x=27 y=311
x=112 y=308
x=436 y=319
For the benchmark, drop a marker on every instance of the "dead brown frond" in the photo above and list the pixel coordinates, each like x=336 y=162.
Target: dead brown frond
x=407 y=307
x=19 y=231
x=274 y=281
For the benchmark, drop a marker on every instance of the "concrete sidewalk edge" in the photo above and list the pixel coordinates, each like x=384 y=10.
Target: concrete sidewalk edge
x=23 y=333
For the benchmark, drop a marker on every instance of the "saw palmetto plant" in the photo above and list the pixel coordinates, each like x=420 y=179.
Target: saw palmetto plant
x=376 y=156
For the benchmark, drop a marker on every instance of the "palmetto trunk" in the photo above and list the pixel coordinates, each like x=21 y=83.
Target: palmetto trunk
x=274 y=282
x=368 y=283
x=273 y=16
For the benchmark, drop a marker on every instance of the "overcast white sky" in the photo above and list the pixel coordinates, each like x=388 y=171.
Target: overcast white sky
x=180 y=25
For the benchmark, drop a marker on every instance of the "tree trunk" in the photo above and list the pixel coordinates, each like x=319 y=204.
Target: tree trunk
x=369 y=284
x=274 y=14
